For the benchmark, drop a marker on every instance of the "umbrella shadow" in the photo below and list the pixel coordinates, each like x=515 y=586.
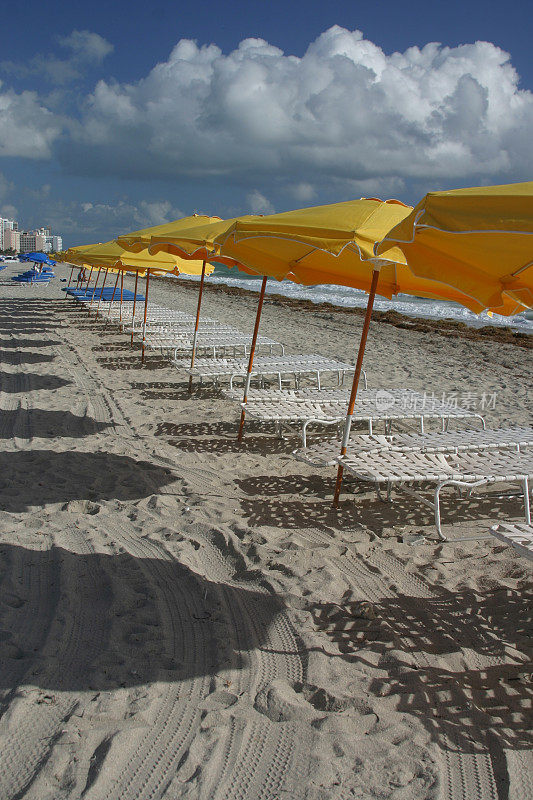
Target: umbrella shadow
x=103 y=622
x=17 y=358
x=17 y=344
x=29 y=382
x=38 y=477
x=39 y=423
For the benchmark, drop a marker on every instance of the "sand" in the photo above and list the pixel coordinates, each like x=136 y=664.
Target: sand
x=181 y=617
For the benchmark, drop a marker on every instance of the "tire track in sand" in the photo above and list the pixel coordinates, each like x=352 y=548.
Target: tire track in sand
x=37 y=718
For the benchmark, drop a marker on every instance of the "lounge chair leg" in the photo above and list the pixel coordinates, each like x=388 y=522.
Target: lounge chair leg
x=388 y=495
x=442 y=537
x=527 y=507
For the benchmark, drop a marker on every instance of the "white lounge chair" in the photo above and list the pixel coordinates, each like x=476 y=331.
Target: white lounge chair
x=301 y=412
x=216 y=344
x=278 y=366
x=469 y=470
x=310 y=393
x=180 y=337
x=519 y=535
x=322 y=454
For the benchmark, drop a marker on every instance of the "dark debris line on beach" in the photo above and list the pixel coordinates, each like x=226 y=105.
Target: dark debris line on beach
x=449 y=328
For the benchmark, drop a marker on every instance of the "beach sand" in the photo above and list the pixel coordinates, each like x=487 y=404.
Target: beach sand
x=184 y=617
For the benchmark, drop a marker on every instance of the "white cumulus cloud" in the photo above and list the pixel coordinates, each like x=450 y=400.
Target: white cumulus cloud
x=27 y=127
x=86 y=222
x=258 y=203
x=344 y=111
x=85 y=49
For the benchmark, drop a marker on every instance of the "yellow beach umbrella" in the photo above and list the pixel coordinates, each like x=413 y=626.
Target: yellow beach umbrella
x=110 y=254
x=335 y=244
x=293 y=244
x=140 y=240
x=196 y=241
x=322 y=244
x=478 y=240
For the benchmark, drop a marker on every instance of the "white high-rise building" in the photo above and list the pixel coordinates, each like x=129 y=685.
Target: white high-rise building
x=6 y=225
x=52 y=243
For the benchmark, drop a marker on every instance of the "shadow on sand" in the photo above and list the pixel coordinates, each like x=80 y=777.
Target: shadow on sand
x=38 y=423
x=93 y=621
x=39 y=477
x=29 y=382
x=466 y=709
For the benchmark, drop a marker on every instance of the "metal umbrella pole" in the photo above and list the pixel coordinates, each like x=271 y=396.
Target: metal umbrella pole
x=251 y=359
x=356 y=377
x=195 y=339
x=145 y=313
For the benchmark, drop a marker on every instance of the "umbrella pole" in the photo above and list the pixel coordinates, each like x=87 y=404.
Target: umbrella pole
x=355 y=384
x=252 y=351
x=101 y=293
x=145 y=312
x=193 y=354
x=134 y=304
x=94 y=288
x=121 y=294
x=112 y=299
x=89 y=279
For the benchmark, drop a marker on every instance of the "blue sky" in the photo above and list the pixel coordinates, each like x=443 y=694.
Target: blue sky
x=112 y=118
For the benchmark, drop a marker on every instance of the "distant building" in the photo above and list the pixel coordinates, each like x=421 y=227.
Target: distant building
x=53 y=243
x=27 y=241
x=11 y=240
x=31 y=241
x=6 y=225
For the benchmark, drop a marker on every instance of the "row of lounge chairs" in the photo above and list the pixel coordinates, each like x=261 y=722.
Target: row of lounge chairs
x=421 y=463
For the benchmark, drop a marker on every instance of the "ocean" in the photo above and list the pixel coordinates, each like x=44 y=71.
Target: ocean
x=354 y=298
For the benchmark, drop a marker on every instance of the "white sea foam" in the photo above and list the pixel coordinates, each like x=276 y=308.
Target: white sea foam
x=354 y=298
